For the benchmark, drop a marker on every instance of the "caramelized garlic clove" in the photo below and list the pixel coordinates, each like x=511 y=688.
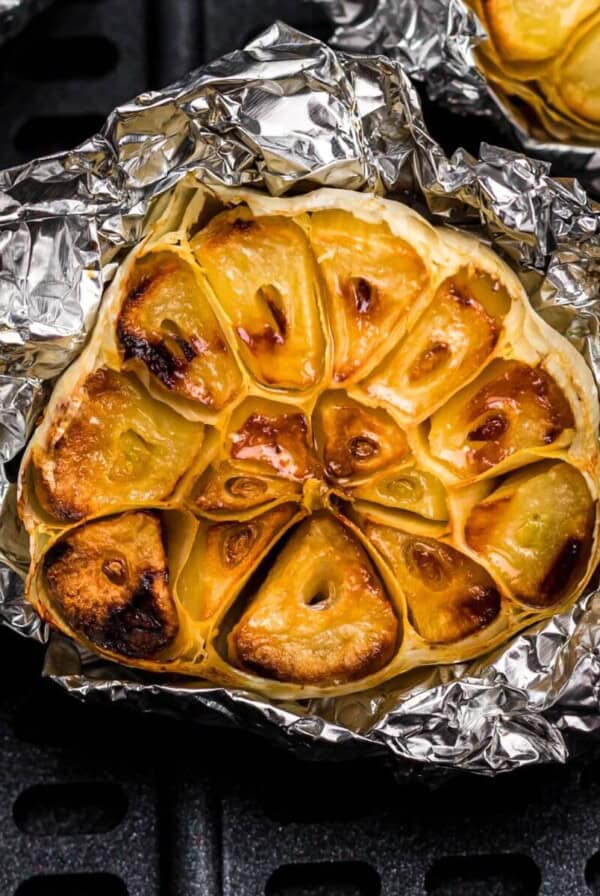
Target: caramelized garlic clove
x=536 y=530
x=229 y=490
x=167 y=325
x=449 y=596
x=534 y=30
x=109 y=579
x=512 y=407
x=322 y=615
x=356 y=442
x=222 y=557
x=112 y=446
x=271 y=438
x=264 y=275
x=373 y=279
x=408 y=489
x=454 y=336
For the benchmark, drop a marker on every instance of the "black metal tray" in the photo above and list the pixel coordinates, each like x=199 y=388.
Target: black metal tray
x=100 y=801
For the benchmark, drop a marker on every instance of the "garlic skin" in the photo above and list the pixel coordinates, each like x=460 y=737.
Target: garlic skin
x=349 y=444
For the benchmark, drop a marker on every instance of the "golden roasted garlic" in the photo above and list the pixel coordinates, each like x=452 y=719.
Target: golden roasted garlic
x=542 y=57
x=312 y=443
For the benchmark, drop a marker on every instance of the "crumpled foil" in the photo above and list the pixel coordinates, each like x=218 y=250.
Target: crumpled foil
x=434 y=41
x=289 y=113
x=15 y=14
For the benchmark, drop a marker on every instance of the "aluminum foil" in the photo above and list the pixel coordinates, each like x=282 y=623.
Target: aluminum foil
x=289 y=113
x=434 y=41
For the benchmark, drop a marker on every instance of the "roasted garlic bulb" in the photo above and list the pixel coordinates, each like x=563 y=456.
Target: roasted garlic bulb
x=312 y=443
x=542 y=57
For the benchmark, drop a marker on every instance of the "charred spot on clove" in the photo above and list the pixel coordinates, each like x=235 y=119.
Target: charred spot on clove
x=243 y=224
x=482 y=605
x=552 y=434
x=138 y=285
x=557 y=579
x=59 y=551
x=279 y=441
x=273 y=332
x=267 y=338
x=100 y=381
x=428 y=361
x=260 y=429
x=167 y=352
x=270 y=296
x=355 y=440
x=156 y=356
x=187 y=349
x=139 y=628
x=279 y=318
x=141 y=287
x=460 y=296
x=363 y=294
x=492 y=428
x=109 y=581
x=163 y=363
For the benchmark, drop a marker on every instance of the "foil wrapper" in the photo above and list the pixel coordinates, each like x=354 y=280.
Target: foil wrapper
x=289 y=113
x=434 y=41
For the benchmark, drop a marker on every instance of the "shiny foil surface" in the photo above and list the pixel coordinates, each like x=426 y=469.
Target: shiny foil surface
x=288 y=113
x=434 y=42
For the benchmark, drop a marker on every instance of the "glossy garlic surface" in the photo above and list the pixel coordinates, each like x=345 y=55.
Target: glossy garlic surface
x=312 y=443
x=544 y=57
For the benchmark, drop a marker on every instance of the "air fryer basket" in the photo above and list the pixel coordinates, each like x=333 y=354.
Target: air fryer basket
x=99 y=801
